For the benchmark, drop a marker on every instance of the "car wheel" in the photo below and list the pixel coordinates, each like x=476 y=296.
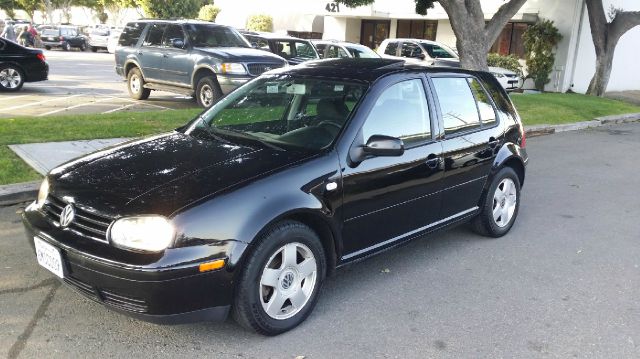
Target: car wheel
x=11 y=78
x=83 y=47
x=94 y=49
x=279 y=285
x=135 y=85
x=66 y=46
x=501 y=204
x=207 y=92
x=47 y=47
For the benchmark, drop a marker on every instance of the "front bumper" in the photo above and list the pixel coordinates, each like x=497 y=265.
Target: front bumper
x=229 y=83
x=53 y=43
x=148 y=290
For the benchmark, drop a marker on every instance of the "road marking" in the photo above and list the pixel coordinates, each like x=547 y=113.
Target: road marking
x=75 y=106
x=38 y=103
x=145 y=103
x=119 y=108
x=12 y=97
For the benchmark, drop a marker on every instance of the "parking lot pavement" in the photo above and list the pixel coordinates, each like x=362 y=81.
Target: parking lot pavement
x=82 y=82
x=564 y=283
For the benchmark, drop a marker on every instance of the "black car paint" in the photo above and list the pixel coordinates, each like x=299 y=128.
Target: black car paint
x=222 y=196
x=24 y=58
x=77 y=40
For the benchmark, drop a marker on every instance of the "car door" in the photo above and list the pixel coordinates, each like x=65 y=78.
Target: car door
x=388 y=199
x=151 y=52
x=472 y=138
x=411 y=50
x=177 y=62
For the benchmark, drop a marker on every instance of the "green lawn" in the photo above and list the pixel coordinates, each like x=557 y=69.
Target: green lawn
x=549 y=108
x=557 y=108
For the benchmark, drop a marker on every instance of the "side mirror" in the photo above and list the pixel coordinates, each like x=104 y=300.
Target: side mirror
x=379 y=145
x=177 y=43
x=421 y=56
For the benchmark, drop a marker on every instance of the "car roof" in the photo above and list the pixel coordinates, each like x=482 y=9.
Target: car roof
x=367 y=70
x=179 y=21
x=422 y=41
x=270 y=35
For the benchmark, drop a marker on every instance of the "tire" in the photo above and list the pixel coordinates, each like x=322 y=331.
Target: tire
x=83 y=47
x=66 y=46
x=11 y=78
x=94 y=49
x=47 y=47
x=293 y=278
x=207 y=92
x=135 y=85
x=503 y=196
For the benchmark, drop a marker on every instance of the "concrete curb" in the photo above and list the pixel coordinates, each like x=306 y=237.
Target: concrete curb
x=22 y=192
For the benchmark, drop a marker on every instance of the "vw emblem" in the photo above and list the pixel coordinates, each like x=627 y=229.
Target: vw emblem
x=67 y=215
x=287 y=280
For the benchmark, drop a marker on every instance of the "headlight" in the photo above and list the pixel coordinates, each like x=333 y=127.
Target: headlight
x=42 y=193
x=231 y=68
x=143 y=233
x=497 y=75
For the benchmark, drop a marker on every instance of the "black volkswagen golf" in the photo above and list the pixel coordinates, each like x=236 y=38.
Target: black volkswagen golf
x=251 y=205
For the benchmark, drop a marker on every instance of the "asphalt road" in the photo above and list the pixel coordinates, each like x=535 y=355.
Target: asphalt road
x=82 y=82
x=563 y=283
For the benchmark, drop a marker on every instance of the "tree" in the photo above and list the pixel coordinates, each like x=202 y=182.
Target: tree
x=260 y=23
x=208 y=12
x=166 y=9
x=9 y=7
x=606 y=35
x=28 y=6
x=474 y=36
x=540 y=41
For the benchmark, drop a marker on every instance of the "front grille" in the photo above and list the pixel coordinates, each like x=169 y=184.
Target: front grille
x=108 y=297
x=258 y=69
x=86 y=223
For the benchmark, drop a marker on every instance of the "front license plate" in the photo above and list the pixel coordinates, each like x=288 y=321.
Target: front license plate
x=49 y=257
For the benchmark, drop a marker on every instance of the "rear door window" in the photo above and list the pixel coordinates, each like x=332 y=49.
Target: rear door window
x=457 y=104
x=154 y=35
x=172 y=33
x=411 y=50
x=392 y=48
x=131 y=34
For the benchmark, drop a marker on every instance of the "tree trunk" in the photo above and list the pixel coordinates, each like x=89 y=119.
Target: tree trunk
x=600 y=80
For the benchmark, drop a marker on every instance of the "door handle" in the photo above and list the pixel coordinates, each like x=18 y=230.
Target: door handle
x=493 y=142
x=140 y=53
x=432 y=161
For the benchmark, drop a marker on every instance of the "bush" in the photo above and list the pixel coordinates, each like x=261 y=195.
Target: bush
x=539 y=42
x=208 y=12
x=162 y=9
x=509 y=62
x=260 y=23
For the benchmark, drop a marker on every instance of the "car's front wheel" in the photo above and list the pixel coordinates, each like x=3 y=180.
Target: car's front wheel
x=280 y=282
x=135 y=85
x=83 y=47
x=66 y=46
x=93 y=49
x=207 y=92
x=501 y=205
x=11 y=78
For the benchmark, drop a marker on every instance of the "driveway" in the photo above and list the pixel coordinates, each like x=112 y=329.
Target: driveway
x=563 y=283
x=82 y=82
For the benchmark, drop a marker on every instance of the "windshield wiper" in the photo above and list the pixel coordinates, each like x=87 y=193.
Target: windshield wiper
x=249 y=136
x=210 y=131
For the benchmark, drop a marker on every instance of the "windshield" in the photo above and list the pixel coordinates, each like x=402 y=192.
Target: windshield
x=439 y=52
x=284 y=112
x=201 y=35
x=362 y=52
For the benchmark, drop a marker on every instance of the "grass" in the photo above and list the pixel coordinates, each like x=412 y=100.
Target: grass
x=558 y=108
x=549 y=108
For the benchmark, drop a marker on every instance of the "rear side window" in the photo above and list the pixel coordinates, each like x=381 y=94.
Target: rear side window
x=401 y=111
x=411 y=50
x=487 y=113
x=154 y=35
x=457 y=104
x=131 y=34
x=391 y=49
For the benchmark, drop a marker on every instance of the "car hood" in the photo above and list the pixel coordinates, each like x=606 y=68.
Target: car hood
x=241 y=54
x=162 y=174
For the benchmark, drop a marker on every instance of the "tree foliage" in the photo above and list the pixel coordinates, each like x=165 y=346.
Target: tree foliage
x=208 y=12
x=540 y=41
x=260 y=23
x=9 y=7
x=168 y=9
x=28 y=6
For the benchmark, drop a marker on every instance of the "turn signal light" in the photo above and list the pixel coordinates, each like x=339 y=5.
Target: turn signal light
x=209 y=266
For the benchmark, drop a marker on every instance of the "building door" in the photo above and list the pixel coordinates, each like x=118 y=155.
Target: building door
x=372 y=32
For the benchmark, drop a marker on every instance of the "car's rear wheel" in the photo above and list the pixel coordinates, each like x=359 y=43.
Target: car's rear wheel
x=11 y=78
x=279 y=285
x=83 y=47
x=135 y=85
x=501 y=205
x=66 y=46
x=207 y=92
x=94 y=49
x=47 y=47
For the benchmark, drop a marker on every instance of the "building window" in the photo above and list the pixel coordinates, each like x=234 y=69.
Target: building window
x=510 y=40
x=417 y=29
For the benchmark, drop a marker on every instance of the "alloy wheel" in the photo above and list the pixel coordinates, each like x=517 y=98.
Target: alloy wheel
x=206 y=95
x=504 y=202
x=10 y=78
x=288 y=280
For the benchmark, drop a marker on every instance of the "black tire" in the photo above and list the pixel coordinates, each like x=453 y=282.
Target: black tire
x=83 y=46
x=66 y=46
x=94 y=49
x=137 y=92
x=47 y=47
x=15 y=73
x=484 y=223
x=208 y=92
x=248 y=309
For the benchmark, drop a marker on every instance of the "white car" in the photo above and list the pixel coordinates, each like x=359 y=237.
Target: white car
x=329 y=49
x=112 y=42
x=98 y=37
x=436 y=54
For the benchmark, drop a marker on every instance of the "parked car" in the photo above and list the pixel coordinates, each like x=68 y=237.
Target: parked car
x=64 y=37
x=99 y=38
x=331 y=49
x=188 y=57
x=112 y=42
x=293 y=49
x=436 y=54
x=19 y=64
x=249 y=206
